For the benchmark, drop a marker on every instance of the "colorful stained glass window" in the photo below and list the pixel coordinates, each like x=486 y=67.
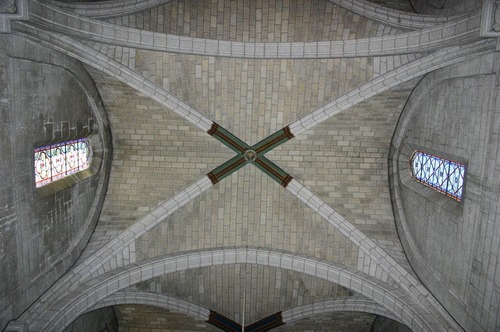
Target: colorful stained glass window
x=56 y=161
x=440 y=174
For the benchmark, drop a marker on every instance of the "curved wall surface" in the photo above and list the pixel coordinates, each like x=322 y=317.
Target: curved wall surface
x=445 y=7
x=44 y=230
x=453 y=113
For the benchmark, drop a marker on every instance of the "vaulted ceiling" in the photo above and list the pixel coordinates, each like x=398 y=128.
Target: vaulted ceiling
x=190 y=222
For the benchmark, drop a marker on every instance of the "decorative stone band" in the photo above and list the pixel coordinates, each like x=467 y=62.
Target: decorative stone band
x=213 y=129
x=227 y=168
x=227 y=138
x=273 y=170
x=272 y=141
x=246 y=154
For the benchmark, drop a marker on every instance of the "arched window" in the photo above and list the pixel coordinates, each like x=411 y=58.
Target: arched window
x=440 y=174
x=57 y=161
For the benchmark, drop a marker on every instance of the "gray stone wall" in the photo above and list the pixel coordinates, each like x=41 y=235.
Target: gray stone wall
x=402 y=5
x=9 y=273
x=455 y=116
x=383 y=324
x=135 y=318
x=445 y=7
x=337 y=321
x=44 y=230
x=97 y=320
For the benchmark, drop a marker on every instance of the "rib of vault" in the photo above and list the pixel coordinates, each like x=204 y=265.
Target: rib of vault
x=180 y=198
x=456 y=31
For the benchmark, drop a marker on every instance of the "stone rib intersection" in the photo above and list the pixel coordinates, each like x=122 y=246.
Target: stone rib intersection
x=250 y=154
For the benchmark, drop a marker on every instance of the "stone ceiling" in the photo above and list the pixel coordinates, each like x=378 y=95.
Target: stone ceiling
x=337 y=209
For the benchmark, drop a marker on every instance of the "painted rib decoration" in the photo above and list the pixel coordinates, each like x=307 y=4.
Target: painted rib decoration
x=250 y=154
x=229 y=325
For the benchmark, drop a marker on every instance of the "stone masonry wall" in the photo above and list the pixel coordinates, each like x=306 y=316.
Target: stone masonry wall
x=9 y=273
x=42 y=229
x=458 y=119
x=103 y=319
x=142 y=318
x=340 y=321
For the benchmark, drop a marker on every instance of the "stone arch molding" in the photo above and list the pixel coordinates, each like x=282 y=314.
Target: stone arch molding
x=289 y=316
x=403 y=307
x=339 y=305
x=53 y=17
x=156 y=300
x=385 y=15
x=108 y=257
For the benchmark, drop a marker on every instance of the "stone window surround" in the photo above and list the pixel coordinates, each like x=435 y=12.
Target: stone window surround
x=406 y=179
x=70 y=180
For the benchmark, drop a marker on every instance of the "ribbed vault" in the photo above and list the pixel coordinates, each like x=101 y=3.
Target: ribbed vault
x=321 y=246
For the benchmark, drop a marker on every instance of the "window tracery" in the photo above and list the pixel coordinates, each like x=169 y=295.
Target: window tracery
x=441 y=174
x=57 y=161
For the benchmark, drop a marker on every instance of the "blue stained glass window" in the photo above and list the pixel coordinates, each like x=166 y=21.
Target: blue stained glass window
x=440 y=174
x=57 y=161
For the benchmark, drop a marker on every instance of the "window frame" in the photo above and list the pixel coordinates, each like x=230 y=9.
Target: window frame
x=94 y=140
x=445 y=164
x=67 y=167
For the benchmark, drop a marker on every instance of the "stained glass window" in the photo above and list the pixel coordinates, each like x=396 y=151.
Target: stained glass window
x=440 y=174
x=56 y=161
